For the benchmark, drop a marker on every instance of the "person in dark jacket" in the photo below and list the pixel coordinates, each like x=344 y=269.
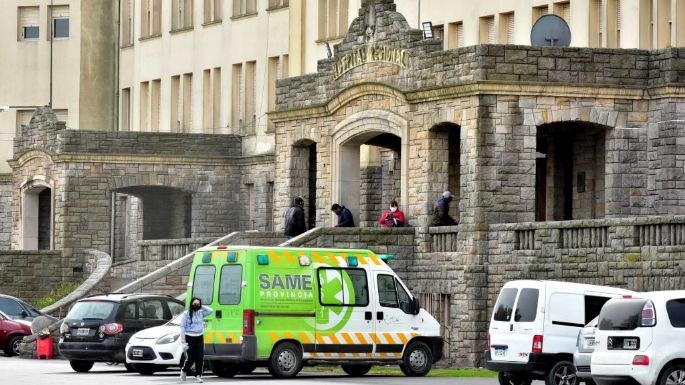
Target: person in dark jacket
x=294 y=219
x=441 y=216
x=344 y=216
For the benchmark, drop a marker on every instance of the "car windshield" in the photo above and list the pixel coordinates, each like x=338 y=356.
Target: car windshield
x=176 y=321
x=91 y=310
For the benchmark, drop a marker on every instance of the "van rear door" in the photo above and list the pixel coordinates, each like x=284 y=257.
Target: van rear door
x=515 y=321
x=203 y=288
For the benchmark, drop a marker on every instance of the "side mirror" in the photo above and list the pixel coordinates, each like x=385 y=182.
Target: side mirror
x=415 y=306
x=24 y=314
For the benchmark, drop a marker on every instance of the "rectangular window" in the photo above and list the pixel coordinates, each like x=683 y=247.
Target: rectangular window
x=151 y=309
x=59 y=21
x=182 y=14
x=250 y=103
x=343 y=287
x=527 y=306
x=387 y=295
x=504 y=307
x=332 y=19
x=216 y=100
x=663 y=14
x=593 y=305
x=155 y=96
x=127 y=22
x=151 y=18
x=187 y=102
x=230 y=284
x=203 y=284
x=29 y=19
x=506 y=28
x=23 y=119
x=175 y=101
x=487 y=29
x=126 y=109
x=456 y=35
x=563 y=9
x=676 y=312
x=144 y=105
x=207 y=100
x=273 y=76
x=250 y=205
x=621 y=315
x=244 y=7
x=62 y=114
x=277 y=3
x=439 y=33
x=236 y=117
x=212 y=11
x=539 y=12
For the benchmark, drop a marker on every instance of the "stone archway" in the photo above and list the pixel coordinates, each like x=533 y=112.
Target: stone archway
x=37 y=213
x=348 y=137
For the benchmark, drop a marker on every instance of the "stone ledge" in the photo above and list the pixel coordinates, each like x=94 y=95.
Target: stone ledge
x=630 y=221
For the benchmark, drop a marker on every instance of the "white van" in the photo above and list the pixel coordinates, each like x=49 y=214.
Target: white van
x=534 y=328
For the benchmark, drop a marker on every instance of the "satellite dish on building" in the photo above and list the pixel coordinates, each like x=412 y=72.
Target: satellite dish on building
x=550 y=30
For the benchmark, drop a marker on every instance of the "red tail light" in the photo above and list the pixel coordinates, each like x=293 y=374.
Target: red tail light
x=647 y=315
x=641 y=360
x=248 y=322
x=111 y=329
x=537 y=344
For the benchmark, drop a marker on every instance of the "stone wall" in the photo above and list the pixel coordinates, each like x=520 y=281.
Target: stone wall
x=5 y=211
x=30 y=275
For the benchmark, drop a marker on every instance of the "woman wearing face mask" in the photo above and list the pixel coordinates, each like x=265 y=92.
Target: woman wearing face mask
x=192 y=327
x=392 y=217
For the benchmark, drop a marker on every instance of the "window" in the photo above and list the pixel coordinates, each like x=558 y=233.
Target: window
x=151 y=20
x=127 y=22
x=527 y=306
x=250 y=118
x=216 y=99
x=563 y=9
x=244 y=7
x=593 y=305
x=175 y=308
x=506 y=28
x=155 y=89
x=387 y=295
x=236 y=110
x=663 y=14
x=277 y=3
x=59 y=21
x=151 y=309
x=343 y=287
x=203 y=284
x=456 y=35
x=187 y=102
x=29 y=19
x=676 y=312
x=403 y=297
x=539 y=12
x=249 y=187
x=212 y=10
x=487 y=30
x=126 y=109
x=505 y=305
x=596 y=24
x=97 y=310
x=182 y=14
x=211 y=100
x=175 y=101
x=614 y=20
x=144 y=106
x=439 y=33
x=621 y=315
x=62 y=114
x=278 y=69
x=230 y=285
x=11 y=307
x=23 y=119
x=332 y=19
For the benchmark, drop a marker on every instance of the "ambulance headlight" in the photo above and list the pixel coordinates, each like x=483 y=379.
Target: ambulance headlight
x=167 y=339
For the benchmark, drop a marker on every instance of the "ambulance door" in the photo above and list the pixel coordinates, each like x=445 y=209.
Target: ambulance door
x=393 y=316
x=344 y=327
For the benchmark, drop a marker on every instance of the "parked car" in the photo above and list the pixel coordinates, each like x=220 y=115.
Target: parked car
x=11 y=334
x=640 y=340
x=20 y=310
x=534 y=328
x=155 y=349
x=585 y=345
x=97 y=328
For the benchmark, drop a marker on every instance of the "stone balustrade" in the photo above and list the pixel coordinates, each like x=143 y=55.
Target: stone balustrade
x=443 y=238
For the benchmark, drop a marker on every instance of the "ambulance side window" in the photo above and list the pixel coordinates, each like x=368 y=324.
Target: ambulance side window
x=203 y=284
x=230 y=284
x=343 y=287
x=387 y=295
x=405 y=299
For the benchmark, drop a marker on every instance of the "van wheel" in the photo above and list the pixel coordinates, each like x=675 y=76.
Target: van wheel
x=246 y=368
x=223 y=369
x=356 y=370
x=674 y=375
x=505 y=378
x=417 y=360
x=562 y=373
x=285 y=361
x=81 y=366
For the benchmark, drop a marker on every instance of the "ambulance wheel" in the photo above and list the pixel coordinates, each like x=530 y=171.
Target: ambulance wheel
x=246 y=368
x=356 y=370
x=285 y=361
x=81 y=366
x=223 y=369
x=505 y=378
x=417 y=360
x=562 y=373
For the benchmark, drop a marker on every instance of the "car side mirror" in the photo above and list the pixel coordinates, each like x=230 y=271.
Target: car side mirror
x=415 y=306
x=24 y=314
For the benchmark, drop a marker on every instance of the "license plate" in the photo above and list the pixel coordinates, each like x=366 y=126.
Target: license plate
x=500 y=352
x=137 y=353
x=630 y=343
x=82 y=331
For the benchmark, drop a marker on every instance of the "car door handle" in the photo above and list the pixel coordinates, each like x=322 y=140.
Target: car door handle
x=368 y=316
x=218 y=314
x=379 y=315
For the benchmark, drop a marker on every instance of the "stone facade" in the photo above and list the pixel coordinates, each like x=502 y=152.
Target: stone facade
x=5 y=211
x=31 y=274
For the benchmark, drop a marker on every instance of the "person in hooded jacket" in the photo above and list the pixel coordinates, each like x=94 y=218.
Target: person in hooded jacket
x=441 y=216
x=294 y=219
x=192 y=329
x=392 y=217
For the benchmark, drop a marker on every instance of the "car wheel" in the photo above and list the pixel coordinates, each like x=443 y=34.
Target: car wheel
x=674 y=375
x=285 y=361
x=146 y=369
x=417 y=360
x=13 y=345
x=130 y=367
x=223 y=369
x=356 y=370
x=505 y=378
x=590 y=381
x=81 y=366
x=246 y=368
x=562 y=373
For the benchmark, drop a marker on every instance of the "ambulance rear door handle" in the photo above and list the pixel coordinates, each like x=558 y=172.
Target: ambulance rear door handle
x=379 y=315
x=218 y=314
x=368 y=316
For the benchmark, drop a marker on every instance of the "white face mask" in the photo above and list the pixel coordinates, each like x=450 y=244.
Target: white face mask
x=393 y=209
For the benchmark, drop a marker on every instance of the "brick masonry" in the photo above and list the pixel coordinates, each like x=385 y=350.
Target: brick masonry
x=30 y=275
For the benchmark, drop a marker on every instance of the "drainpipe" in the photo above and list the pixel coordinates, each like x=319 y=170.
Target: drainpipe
x=112 y=223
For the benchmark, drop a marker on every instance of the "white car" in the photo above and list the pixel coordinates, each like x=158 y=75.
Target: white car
x=641 y=340
x=154 y=349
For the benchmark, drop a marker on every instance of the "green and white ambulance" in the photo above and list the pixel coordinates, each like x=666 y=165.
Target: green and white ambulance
x=287 y=307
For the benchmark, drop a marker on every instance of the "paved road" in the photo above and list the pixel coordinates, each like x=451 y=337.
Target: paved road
x=58 y=372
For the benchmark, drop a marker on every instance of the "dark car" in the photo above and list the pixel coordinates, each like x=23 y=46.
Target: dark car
x=17 y=309
x=11 y=334
x=97 y=328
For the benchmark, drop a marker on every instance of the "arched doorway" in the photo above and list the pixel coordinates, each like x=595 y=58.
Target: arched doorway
x=368 y=138
x=448 y=173
x=37 y=216
x=303 y=177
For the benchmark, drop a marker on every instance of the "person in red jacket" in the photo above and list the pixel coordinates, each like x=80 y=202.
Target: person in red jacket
x=392 y=217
